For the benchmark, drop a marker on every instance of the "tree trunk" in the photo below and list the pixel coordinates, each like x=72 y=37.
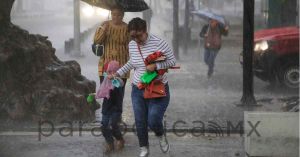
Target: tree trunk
x=175 y=28
x=186 y=26
x=5 y=9
x=248 y=38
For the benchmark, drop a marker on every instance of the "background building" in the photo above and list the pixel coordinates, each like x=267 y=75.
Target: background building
x=279 y=13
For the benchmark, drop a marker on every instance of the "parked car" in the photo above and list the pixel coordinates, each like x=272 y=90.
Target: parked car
x=276 y=56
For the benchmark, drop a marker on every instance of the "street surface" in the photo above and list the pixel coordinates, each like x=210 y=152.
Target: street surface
x=26 y=144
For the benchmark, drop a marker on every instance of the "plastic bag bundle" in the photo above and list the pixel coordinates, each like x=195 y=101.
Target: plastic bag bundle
x=106 y=86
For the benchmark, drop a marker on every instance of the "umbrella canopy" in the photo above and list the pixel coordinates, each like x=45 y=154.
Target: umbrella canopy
x=209 y=15
x=127 y=5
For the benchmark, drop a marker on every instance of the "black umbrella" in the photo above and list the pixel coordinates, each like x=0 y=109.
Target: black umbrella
x=127 y=5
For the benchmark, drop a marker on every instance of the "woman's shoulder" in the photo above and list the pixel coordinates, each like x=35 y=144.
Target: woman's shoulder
x=124 y=23
x=132 y=43
x=156 y=39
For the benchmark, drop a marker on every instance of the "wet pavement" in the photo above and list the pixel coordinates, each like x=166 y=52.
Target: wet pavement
x=26 y=144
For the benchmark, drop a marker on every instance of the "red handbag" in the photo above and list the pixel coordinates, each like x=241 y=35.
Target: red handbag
x=156 y=88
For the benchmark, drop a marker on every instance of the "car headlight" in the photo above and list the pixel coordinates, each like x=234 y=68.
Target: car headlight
x=261 y=46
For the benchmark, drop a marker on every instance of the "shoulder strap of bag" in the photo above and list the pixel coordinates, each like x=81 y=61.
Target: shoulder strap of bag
x=139 y=48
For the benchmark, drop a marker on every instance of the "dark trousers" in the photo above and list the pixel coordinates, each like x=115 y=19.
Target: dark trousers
x=209 y=58
x=148 y=112
x=111 y=114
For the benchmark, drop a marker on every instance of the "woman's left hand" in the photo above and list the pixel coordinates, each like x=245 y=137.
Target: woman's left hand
x=151 y=67
x=113 y=76
x=110 y=76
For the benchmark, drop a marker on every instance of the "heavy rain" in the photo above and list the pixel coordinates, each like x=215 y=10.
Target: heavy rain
x=207 y=112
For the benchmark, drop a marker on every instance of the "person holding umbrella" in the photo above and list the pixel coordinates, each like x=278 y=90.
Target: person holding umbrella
x=212 y=34
x=147 y=112
x=115 y=37
x=113 y=34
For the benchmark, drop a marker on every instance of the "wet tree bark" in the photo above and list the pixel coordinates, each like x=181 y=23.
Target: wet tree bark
x=248 y=38
x=34 y=83
x=5 y=9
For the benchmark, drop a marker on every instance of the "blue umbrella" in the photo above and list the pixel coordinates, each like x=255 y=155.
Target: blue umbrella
x=209 y=15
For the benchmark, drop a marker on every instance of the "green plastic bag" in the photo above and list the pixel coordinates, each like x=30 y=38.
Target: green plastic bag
x=147 y=77
x=90 y=98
